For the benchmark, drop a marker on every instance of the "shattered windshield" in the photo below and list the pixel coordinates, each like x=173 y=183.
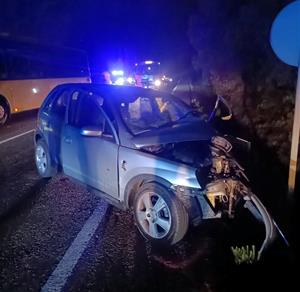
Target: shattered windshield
x=144 y=113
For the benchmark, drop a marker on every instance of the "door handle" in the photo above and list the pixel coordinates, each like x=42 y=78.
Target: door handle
x=68 y=140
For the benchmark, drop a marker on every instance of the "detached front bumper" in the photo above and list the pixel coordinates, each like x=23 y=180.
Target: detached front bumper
x=222 y=197
x=258 y=210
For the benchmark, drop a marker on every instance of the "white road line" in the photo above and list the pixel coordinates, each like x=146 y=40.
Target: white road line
x=15 y=137
x=63 y=270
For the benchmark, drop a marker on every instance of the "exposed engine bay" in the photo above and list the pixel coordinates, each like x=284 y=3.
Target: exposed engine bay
x=229 y=188
x=223 y=180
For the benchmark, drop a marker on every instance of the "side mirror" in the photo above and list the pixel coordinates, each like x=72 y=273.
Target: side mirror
x=91 y=132
x=228 y=108
x=222 y=100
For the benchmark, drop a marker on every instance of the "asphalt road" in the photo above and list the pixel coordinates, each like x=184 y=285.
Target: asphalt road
x=56 y=236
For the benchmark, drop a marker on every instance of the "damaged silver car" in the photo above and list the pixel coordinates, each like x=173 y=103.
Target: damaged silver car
x=147 y=151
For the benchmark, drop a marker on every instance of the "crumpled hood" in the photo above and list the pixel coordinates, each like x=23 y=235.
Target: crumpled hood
x=193 y=130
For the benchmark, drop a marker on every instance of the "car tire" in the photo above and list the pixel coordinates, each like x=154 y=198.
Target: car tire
x=159 y=214
x=44 y=164
x=4 y=113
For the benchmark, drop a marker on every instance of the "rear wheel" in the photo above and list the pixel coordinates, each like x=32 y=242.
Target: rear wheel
x=4 y=113
x=159 y=214
x=43 y=161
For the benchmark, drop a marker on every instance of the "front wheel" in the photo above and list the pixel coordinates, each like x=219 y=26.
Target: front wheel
x=159 y=214
x=4 y=113
x=43 y=161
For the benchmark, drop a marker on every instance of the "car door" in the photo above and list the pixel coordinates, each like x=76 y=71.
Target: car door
x=91 y=159
x=52 y=119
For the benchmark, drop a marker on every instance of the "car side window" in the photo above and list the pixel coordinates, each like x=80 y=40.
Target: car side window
x=57 y=104
x=85 y=111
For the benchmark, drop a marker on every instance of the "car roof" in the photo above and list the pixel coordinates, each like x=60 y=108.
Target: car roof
x=108 y=89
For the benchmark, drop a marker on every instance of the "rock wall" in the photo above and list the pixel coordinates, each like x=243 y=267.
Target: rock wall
x=234 y=59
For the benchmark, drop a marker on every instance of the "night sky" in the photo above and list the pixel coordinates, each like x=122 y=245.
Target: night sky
x=110 y=30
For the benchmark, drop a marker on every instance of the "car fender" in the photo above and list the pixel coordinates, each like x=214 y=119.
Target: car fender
x=137 y=166
x=136 y=182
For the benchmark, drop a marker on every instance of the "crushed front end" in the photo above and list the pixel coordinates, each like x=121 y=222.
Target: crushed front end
x=226 y=189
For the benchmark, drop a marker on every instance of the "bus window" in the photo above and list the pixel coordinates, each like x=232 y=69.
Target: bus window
x=31 y=71
x=3 y=71
x=19 y=67
x=37 y=68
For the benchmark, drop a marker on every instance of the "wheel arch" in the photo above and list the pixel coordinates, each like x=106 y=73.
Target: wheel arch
x=136 y=183
x=6 y=102
x=38 y=136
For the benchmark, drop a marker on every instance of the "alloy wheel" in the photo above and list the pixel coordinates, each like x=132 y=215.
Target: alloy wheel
x=2 y=112
x=41 y=158
x=153 y=214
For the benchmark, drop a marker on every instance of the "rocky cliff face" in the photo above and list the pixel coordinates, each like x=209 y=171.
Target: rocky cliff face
x=234 y=58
